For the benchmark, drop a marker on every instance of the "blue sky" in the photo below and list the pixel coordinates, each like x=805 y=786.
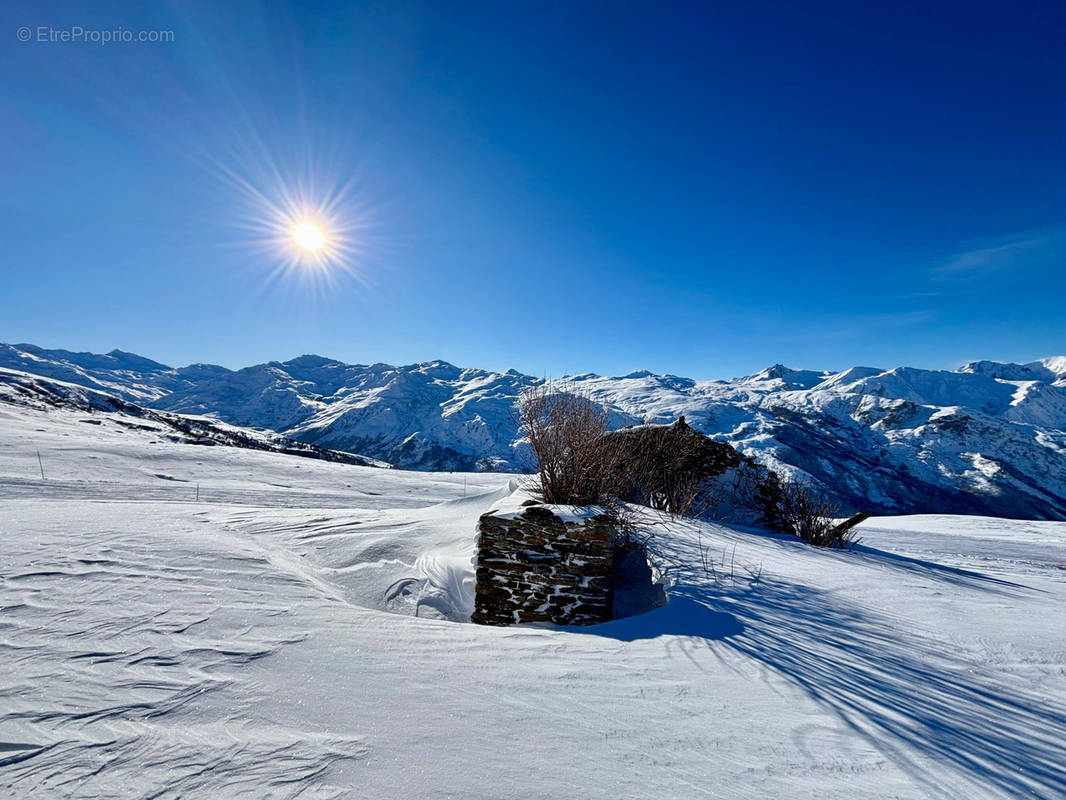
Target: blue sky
x=703 y=189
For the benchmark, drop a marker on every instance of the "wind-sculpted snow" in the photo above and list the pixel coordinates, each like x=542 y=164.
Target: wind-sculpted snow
x=417 y=562
x=988 y=438
x=125 y=659
x=296 y=633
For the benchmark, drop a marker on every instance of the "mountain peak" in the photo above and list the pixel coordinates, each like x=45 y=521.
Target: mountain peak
x=1043 y=370
x=134 y=361
x=312 y=360
x=1013 y=415
x=788 y=377
x=437 y=369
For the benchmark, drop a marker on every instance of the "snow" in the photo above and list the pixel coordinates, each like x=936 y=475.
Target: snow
x=1057 y=364
x=515 y=501
x=296 y=633
x=865 y=434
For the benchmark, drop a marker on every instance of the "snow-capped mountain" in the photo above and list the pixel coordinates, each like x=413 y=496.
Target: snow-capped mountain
x=988 y=438
x=24 y=390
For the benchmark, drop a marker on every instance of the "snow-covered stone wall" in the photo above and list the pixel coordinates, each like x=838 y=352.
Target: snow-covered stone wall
x=545 y=564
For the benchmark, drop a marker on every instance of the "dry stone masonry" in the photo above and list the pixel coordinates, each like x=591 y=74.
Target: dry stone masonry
x=544 y=563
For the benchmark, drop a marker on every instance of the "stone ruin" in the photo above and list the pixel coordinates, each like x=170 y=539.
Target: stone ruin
x=560 y=564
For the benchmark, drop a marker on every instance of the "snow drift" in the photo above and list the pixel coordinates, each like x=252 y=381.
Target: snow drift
x=156 y=644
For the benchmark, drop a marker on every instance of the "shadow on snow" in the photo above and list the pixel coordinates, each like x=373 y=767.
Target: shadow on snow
x=936 y=714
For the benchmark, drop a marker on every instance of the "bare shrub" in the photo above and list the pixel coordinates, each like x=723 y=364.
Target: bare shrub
x=813 y=517
x=669 y=467
x=567 y=435
x=791 y=507
x=732 y=496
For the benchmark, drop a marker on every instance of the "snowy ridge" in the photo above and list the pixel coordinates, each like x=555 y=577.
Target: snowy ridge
x=988 y=438
x=31 y=391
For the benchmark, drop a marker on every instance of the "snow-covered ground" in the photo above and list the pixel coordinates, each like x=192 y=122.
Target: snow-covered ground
x=988 y=438
x=290 y=634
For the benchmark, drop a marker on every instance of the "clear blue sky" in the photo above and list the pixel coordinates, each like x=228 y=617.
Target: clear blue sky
x=556 y=187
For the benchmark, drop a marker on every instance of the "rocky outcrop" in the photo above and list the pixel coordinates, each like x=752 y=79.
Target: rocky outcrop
x=545 y=564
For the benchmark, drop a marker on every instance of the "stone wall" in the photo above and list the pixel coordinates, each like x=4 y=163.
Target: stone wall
x=532 y=566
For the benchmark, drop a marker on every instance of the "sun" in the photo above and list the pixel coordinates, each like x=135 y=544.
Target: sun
x=309 y=236
x=298 y=227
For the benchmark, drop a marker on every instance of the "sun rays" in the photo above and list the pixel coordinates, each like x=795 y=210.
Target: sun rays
x=294 y=222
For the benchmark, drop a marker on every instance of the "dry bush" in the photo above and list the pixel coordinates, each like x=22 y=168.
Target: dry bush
x=669 y=467
x=790 y=507
x=733 y=496
x=567 y=435
x=813 y=517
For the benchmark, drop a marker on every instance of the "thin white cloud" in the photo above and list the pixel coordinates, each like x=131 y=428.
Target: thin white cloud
x=833 y=326
x=898 y=319
x=916 y=295
x=1010 y=253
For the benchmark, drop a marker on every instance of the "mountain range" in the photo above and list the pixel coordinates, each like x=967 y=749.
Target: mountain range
x=988 y=438
x=25 y=390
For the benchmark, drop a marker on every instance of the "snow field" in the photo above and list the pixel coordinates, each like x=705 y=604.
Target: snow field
x=264 y=642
